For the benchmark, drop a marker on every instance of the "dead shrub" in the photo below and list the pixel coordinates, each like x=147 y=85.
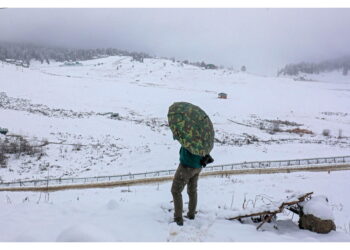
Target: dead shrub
x=3 y=160
x=299 y=131
x=77 y=147
x=17 y=146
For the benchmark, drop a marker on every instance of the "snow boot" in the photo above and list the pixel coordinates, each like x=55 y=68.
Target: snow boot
x=179 y=221
x=190 y=217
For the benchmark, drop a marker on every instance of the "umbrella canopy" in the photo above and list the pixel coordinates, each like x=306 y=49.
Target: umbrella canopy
x=192 y=127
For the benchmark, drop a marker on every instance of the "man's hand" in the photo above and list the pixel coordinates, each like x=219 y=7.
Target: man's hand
x=206 y=160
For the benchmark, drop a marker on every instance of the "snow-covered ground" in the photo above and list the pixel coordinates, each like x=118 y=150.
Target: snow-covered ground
x=72 y=109
x=143 y=213
x=70 y=105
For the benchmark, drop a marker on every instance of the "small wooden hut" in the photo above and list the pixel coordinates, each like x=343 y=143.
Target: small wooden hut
x=222 y=96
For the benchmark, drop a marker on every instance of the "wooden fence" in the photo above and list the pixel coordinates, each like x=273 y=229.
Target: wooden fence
x=254 y=167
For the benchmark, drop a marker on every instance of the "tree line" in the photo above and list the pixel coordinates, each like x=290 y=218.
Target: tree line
x=23 y=53
x=340 y=64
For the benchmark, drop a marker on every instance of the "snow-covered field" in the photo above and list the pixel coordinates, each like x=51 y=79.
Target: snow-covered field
x=69 y=105
x=109 y=116
x=143 y=213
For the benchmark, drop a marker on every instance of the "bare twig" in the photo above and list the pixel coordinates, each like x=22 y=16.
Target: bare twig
x=240 y=123
x=233 y=196
x=8 y=199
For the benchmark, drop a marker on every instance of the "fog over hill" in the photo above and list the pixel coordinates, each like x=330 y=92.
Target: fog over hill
x=22 y=54
x=263 y=40
x=339 y=64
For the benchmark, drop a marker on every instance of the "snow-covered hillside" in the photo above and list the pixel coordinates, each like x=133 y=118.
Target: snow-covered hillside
x=72 y=108
x=109 y=116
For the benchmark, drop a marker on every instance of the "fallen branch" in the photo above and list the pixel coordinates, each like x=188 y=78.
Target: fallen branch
x=268 y=214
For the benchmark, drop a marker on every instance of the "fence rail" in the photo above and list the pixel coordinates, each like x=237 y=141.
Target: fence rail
x=295 y=163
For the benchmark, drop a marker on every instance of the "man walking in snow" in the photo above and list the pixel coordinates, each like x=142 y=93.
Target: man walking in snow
x=187 y=174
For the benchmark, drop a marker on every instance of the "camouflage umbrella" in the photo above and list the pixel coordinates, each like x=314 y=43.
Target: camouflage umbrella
x=192 y=127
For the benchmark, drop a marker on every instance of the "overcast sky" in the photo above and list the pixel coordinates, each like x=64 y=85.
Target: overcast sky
x=262 y=39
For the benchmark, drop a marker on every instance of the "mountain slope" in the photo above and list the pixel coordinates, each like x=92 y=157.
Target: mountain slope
x=74 y=105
